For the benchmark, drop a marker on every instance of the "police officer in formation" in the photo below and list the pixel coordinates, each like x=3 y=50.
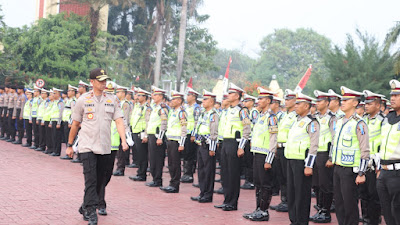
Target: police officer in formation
x=343 y=155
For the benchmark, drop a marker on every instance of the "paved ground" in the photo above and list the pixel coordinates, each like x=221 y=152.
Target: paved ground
x=40 y=189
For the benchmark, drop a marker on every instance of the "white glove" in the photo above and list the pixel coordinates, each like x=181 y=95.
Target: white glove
x=129 y=138
x=75 y=145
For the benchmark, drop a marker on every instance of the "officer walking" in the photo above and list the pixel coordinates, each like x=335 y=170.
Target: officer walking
x=350 y=154
x=263 y=146
x=388 y=182
x=236 y=134
x=94 y=112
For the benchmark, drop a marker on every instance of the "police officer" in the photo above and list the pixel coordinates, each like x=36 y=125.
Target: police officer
x=132 y=150
x=350 y=154
x=19 y=109
x=139 y=133
x=43 y=118
x=94 y=112
x=55 y=121
x=388 y=182
x=248 y=102
x=67 y=112
x=176 y=135
x=323 y=175
x=301 y=151
x=125 y=107
x=12 y=101
x=360 y=109
x=334 y=104
x=35 y=125
x=26 y=115
x=284 y=125
x=190 y=154
x=47 y=118
x=156 y=127
x=263 y=146
x=2 y=95
x=4 y=126
x=236 y=135
x=370 y=206
x=206 y=133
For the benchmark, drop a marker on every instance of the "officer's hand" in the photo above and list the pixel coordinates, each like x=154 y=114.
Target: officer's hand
x=37 y=122
x=58 y=126
x=267 y=166
x=308 y=171
x=328 y=164
x=360 y=180
x=240 y=152
x=144 y=140
x=125 y=146
x=159 y=142
x=69 y=125
x=192 y=139
x=211 y=153
x=20 y=118
x=30 y=121
x=14 y=117
x=42 y=123
x=49 y=125
x=378 y=172
x=181 y=148
x=70 y=152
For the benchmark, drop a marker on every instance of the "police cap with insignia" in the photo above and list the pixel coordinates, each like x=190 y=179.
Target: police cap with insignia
x=263 y=93
x=300 y=97
x=142 y=92
x=176 y=94
x=395 y=86
x=371 y=96
x=247 y=98
x=110 y=86
x=82 y=84
x=347 y=94
x=157 y=91
x=320 y=95
x=333 y=95
x=277 y=100
x=99 y=74
x=234 y=89
x=120 y=88
x=207 y=94
x=289 y=94
x=57 y=90
x=190 y=91
x=72 y=88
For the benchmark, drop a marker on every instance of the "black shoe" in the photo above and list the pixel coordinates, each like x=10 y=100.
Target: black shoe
x=205 y=200
x=313 y=195
x=153 y=184
x=76 y=160
x=2 y=137
x=197 y=198
x=17 y=142
x=55 y=154
x=322 y=217
x=282 y=207
x=260 y=216
x=118 y=173
x=248 y=215
x=66 y=157
x=137 y=178
x=169 y=189
x=84 y=214
x=229 y=208
x=26 y=145
x=39 y=149
x=219 y=206
x=315 y=215
x=102 y=212
x=11 y=140
x=317 y=207
x=133 y=165
x=219 y=191
x=32 y=147
x=92 y=218
x=47 y=152
x=196 y=185
x=186 y=179
x=218 y=180
x=217 y=172
x=247 y=186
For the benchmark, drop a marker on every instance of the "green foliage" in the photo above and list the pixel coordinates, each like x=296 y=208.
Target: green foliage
x=367 y=66
x=391 y=40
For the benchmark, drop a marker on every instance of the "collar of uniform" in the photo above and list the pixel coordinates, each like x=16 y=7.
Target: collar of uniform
x=322 y=115
x=374 y=117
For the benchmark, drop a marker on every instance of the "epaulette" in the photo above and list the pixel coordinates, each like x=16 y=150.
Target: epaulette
x=313 y=118
x=182 y=108
x=331 y=114
x=163 y=105
x=357 y=118
x=380 y=117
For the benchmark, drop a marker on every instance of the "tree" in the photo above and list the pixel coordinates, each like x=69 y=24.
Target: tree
x=391 y=39
x=181 y=43
x=360 y=67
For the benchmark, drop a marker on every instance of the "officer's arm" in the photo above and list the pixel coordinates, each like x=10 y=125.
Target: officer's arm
x=74 y=131
x=147 y=119
x=273 y=138
x=183 y=122
x=245 y=117
x=214 y=121
x=164 y=122
x=61 y=107
x=121 y=129
x=363 y=140
x=126 y=116
x=313 y=132
x=196 y=115
x=332 y=126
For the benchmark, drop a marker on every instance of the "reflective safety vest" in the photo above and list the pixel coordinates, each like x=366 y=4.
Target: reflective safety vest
x=221 y=124
x=154 y=121
x=260 y=134
x=55 y=111
x=115 y=138
x=40 y=111
x=174 y=124
x=138 y=122
x=47 y=110
x=203 y=125
x=390 y=148
x=27 y=110
x=325 y=136
x=284 y=126
x=35 y=105
x=66 y=115
x=233 y=123
x=190 y=111
x=374 y=130
x=346 y=148
x=298 y=139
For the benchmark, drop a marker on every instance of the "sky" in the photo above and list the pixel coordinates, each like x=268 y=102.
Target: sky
x=241 y=25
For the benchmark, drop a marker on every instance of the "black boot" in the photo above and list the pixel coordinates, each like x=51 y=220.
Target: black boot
x=265 y=197
x=323 y=217
x=248 y=215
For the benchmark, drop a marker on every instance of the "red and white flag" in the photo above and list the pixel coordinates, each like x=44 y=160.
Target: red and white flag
x=226 y=78
x=190 y=83
x=303 y=80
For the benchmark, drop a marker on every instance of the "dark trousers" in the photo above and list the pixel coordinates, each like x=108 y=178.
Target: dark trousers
x=3 y=112
x=28 y=128
x=174 y=163
x=370 y=199
x=262 y=182
x=43 y=134
x=189 y=157
x=230 y=171
x=121 y=159
x=56 y=135
x=142 y=155
x=346 y=195
x=298 y=192
x=66 y=129
x=247 y=163
x=49 y=138
x=206 y=171
x=281 y=172
x=20 y=125
x=35 y=129
x=11 y=124
x=388 y=186
x=1 y=117
x=323 y=181
x=104 y=179
x=94 y=171
x=156 y=158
